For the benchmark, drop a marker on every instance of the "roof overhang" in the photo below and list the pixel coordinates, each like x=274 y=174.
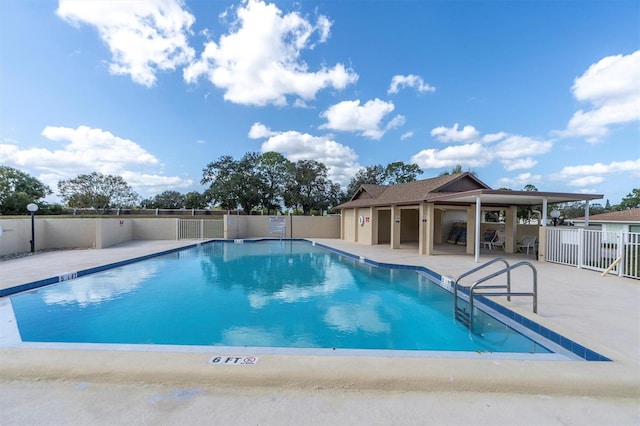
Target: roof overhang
x=505 y=198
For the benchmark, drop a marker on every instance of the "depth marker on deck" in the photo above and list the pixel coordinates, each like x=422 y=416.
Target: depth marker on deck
x=233 y=360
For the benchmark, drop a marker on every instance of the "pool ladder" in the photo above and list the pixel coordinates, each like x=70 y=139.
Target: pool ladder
x=478 y=288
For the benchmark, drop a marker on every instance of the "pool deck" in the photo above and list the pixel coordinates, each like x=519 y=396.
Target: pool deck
x=601 y=313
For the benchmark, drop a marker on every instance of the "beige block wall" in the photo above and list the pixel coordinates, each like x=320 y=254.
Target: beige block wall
x=110 y=232
x=350 y=223
x=365 y=229
x=154 y=229
x=17 y=234
x=316 y=226
x=54 y=233
x=69 y=233
x=295 y=227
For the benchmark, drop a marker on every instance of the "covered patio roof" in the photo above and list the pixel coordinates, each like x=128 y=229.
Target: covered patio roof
x=506 y=198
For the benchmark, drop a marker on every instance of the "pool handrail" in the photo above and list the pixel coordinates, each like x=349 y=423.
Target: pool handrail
x=477 y=286
x=474 y=270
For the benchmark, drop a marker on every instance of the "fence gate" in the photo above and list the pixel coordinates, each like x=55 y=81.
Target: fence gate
x=614 y=252
x=199 y=229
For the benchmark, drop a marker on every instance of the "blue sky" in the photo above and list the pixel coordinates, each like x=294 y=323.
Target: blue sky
x=522 y=92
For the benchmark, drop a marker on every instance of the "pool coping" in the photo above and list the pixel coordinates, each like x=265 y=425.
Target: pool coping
x=500 y=312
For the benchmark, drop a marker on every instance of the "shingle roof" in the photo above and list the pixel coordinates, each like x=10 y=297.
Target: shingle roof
x=629 y=215
x=412 y=192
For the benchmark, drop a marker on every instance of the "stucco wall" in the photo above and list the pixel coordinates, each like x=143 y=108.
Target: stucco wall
x=54 y=233
x=110 y=232
x=154 y=229
x=349 y=225
x=67 y=233
x=295 y=227
x=364 y=228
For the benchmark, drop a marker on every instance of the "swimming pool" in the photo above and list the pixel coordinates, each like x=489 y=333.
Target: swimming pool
x=259 y=294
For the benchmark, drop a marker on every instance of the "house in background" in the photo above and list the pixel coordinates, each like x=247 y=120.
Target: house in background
x=620 y=221
x=424 y=213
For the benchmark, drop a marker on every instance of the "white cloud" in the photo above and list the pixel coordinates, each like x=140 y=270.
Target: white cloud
x=259 y=61
x=586 y=181
x=444 y=134
x=259 y=131
x=401 y=81
x=515 y=152
x=515 y=147
x=470 y=155
x=519 y=181
x=341 y=161
x=631 y=167
x=350 y=116
x=519 y=164
x=612 y=87
x=86 y=150
x=494 y=137
x=144 y=37
x=406 y=135
x=595 y=174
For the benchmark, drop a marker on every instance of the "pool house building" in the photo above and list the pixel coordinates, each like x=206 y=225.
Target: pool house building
x=450 y=209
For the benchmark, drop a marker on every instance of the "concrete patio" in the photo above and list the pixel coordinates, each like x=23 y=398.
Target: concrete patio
x=81 y=386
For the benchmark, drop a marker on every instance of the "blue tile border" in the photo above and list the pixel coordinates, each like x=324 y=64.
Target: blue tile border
x=54 y=280
x=568 y=344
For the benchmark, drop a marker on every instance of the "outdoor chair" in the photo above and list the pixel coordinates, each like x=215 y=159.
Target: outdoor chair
x=526 y=242
x=496 y=241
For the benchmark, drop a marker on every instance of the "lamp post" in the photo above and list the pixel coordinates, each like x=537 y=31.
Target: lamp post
x=33 y=208
x=555 y=214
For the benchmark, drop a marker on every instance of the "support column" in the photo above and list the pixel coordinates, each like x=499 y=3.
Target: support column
x=586 y=214
x=471 y=225
x=374 y=226
x=510 y=229
x=476 y=234
x=395 y=227
x=426 y=229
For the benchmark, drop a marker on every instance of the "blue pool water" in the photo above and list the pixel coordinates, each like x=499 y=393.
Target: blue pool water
x=258 y=294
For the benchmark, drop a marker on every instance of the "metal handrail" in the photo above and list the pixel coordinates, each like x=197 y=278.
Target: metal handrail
x=477 y=286
x=476 y=269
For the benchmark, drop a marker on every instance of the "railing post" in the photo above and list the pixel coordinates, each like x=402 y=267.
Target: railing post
x=202 y=229
x=178 y=229
x=620 y=253
x=580 y=247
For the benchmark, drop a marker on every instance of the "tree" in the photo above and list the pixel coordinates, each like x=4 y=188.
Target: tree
x=234 y=183
x=372 y=175
x=222 y=177
x=97 y=191
x=399 y=172
x=274 y=169
x=249 y=184
x=524 y=213
x=307 y=186
x=195 y=200
x=632 y=200
x=391 y=174
x=458 y=169
x=168 y=200
x=17 y=189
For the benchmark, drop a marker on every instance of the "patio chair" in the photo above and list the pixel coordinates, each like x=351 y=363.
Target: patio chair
x=489 y=236
x=528 y=242
x=498 y=240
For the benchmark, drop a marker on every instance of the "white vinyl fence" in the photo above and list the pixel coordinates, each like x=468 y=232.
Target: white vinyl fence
x=199 y=229
x=614 y=252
